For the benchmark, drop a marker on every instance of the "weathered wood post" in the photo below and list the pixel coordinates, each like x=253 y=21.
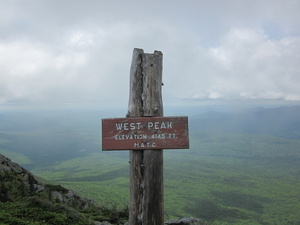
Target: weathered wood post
x=146 y=166
x=146 y=133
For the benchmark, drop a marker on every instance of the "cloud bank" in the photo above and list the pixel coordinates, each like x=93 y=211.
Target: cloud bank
x=80 y=52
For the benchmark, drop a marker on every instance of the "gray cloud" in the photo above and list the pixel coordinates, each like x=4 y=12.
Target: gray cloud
x=78 y=51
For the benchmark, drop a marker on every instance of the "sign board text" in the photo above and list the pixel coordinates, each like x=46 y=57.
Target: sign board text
x=140 y=133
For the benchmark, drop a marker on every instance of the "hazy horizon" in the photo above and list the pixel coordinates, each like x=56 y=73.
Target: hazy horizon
x=73 y=52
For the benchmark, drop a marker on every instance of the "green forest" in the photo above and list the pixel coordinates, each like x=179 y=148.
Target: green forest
x=231 y=177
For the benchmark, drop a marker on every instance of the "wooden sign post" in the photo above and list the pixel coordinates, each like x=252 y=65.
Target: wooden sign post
x=145 y=132
x=142 y=133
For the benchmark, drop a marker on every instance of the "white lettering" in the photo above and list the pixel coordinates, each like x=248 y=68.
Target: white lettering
x=132 y=126
x=119 y=126
x=150 y=125
x=172 y=136
x=160 y=125
x=153 y=145
x=145 y=145
x=158 y=136
x=130 y=136
x=169 y=125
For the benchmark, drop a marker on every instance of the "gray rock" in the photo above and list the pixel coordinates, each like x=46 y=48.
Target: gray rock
x=25 y=184
x=186 y=221
x=57 y=196
x=30 y=185
x=102 y=223
x=6 y=165
x=16 y=182
x=39 y=187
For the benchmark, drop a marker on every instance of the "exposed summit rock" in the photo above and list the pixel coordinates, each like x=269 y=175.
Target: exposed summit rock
x=16 y=182
x=34 y=201
x=186 y=221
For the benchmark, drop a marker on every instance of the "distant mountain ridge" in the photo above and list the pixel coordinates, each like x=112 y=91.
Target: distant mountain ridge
x=47 y=137
x=282 y=121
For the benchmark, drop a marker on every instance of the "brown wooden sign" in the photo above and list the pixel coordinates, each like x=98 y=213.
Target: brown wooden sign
x=140 y=133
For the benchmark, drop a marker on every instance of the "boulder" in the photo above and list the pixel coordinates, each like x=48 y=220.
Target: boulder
x=102 y=223
x=186 y=221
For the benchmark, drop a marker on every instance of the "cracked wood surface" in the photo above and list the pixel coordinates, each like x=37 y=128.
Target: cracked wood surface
x=146 y=166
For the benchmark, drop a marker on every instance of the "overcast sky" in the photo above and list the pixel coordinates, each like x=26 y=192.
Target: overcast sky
x=72 y=51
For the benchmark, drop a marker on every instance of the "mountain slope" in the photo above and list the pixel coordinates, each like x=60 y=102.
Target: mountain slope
x=25 y=200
